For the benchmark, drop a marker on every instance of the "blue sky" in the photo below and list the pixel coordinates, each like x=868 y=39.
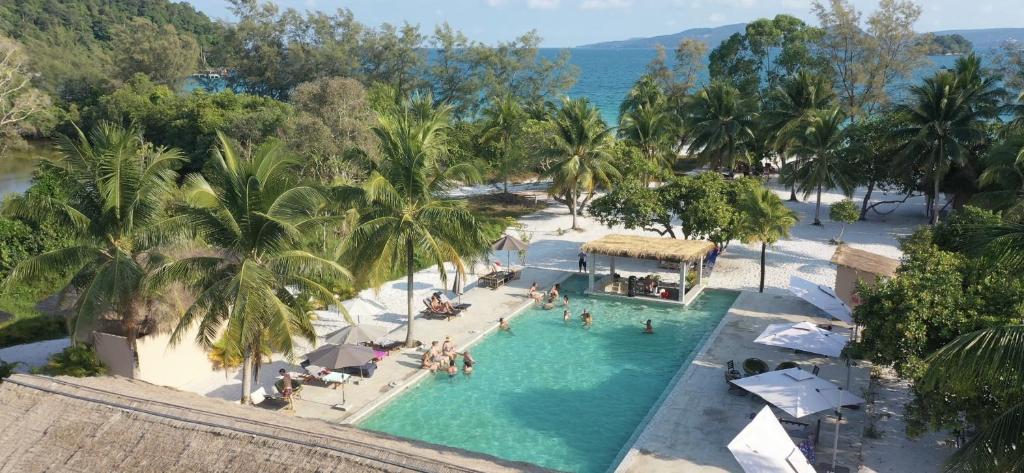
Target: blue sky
x=574 y=22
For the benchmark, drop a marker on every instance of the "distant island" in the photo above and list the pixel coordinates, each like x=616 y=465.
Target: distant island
x=940 y=42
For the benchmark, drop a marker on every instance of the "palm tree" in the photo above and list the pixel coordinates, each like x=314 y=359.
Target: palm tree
x=822 y=147
x=651 y=130
x=254 y=213
x=116 y=215
x=793 y=99
x=765 y=219
x=721 y=124
x=645 y=93
x=580 y=143
x=943 y=121
x=405 y=216
x=503 y=122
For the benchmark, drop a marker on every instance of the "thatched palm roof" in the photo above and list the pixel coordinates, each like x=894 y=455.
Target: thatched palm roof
x=114 y=424
x=642 y=247
x=865 y=261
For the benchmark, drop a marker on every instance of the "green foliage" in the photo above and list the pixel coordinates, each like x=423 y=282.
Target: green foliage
x=721 y=121
x=844 y=211
x=634 y=206
x=160 y=52
x=942 y=44
x=189 y=122
x=502 y=135
x=764 y=219
x=29 y=328
x=77 y=360
x=766 y=51
x=7 y=369
x=956 y=232
x=822 y=148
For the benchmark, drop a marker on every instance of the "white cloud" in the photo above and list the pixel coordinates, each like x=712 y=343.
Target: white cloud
x=542 y=4
x=605 y=4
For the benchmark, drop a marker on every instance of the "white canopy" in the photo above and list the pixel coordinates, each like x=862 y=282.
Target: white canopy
x=822 y=297
x=797 y=392
x=803 y=336
x=763 y=446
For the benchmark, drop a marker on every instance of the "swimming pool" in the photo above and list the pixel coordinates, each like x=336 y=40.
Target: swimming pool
x=556 y=394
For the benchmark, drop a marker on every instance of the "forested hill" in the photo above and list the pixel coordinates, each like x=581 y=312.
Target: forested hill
x=71 y=41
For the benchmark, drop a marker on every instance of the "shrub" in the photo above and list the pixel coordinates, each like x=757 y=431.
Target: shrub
x=7 y=369
x=32 y=329
x=953 y=233
x=77 y=360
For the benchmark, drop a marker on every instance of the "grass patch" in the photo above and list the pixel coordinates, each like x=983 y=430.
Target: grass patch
x=500 y=206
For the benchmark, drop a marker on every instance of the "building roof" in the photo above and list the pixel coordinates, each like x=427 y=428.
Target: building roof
x=865 y=261
x=643 y=247
x=115 y=424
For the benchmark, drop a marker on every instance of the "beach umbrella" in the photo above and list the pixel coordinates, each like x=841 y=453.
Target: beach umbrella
x=508 y=244
x=822 y=297
x=341 y=356
x=763 y=446
x=360 y=305
x=800 y=394
x=355 y=334
x=803 y=336
x=797 y=392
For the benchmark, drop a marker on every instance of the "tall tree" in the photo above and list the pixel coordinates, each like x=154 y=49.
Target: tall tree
x=789 y=104
x=865 y=60
x=690 y=63
x=394 y=56
x=161 y=52
x=116 y=216
x=504 y=123
x=721 y=123
x=404 y=213
x=822 y=145
x=764 y=219
x=253 y=212
x=769 y=49
x=942 y=122
x=580 y=143
x=19 y=101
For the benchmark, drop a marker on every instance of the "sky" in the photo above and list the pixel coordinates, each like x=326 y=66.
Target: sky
x=567 y=23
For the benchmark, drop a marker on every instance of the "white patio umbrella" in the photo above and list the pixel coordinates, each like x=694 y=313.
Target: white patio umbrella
x=359 y=306
x=800 y=393
x=822 y=297
x=803 y=336
x=763 y=446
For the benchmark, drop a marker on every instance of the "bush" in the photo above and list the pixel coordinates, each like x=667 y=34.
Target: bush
x=32 y=329
x=77 y=360
x=953 y=234
x=7 y=369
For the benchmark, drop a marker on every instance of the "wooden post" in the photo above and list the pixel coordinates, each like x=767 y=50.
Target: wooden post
x=592 y=266
x=682 y=280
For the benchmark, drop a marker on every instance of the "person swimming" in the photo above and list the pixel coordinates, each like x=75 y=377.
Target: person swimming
x=503 y=325
x=565 y=316
x=565 y=301
x=588 y=319
x=648 y=327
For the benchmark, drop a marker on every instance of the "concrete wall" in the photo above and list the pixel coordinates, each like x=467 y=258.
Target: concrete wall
x=846 y=283
x=159 y=363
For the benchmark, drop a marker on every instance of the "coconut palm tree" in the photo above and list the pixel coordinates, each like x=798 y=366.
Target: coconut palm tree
x=115 y=212
x=651 y=129
x=503 y=123
x=764 y=219
x=789 y=104
x=720 y=124
x=822 y=148
x=944 y=120
x=645 y=93
x=254 y=213
x=404 y=214
x=580 y=144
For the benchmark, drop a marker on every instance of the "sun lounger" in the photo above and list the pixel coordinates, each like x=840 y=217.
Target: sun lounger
x=365 y=371
x=496 y=279
x=429 y=312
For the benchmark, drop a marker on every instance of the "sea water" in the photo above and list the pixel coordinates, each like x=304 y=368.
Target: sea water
x=557 y=394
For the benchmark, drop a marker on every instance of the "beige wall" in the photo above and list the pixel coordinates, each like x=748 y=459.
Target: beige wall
x=159 y=363
x=846 y=283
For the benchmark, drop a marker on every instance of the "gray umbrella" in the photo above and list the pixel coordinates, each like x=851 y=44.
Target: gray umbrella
x=355 y=334
x=508 y=244
x=340 y=356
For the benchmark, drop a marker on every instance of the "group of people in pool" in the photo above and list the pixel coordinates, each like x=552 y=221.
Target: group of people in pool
x=443 y=356
x=548 y=302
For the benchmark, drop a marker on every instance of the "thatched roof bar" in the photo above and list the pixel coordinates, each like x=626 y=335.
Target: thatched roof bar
x=865 y=261
x=654 y=248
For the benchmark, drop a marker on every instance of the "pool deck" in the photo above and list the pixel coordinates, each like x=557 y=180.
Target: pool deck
x=402 y=367
x=689 y=431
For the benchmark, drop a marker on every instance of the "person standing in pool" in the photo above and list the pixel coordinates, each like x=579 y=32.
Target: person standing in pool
x=503 y=325
x=467 y=363
x=565 y=316
x=565 y=301
x=588 y=319
x=582 y=261
x=648 y=327
x=452 y=371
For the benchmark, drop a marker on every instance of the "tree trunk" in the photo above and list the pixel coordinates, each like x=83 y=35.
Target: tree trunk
x=935 y=198
x=817 y=209
x=764 y=247
x=247 y=376
x=867 y=199
x=409 y=268
x=792 y=194
x=572 y=207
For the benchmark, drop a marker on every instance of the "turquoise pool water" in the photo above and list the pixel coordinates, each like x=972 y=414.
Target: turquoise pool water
x=556 y=394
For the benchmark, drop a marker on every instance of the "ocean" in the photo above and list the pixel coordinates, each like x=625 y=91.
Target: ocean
x=605 y=75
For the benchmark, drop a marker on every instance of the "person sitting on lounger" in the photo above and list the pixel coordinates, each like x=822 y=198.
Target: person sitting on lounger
x=445 y=301
x=648 y=327
x=437 y=307
x=534 y=294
